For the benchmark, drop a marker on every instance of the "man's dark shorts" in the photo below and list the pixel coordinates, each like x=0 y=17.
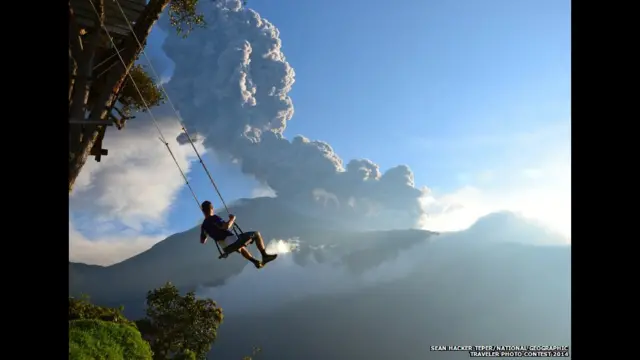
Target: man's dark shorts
x=244 y=239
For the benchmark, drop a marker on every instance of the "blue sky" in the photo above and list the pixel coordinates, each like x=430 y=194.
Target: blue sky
x=469 y=94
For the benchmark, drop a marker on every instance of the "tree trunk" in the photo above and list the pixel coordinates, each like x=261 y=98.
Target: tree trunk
x=113 y=81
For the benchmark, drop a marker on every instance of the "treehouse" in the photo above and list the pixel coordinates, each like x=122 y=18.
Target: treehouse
x=84 y=22
x=114 y=21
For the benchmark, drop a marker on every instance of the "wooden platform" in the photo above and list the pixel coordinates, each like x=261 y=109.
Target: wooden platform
x=118 y=28
x=114 y=21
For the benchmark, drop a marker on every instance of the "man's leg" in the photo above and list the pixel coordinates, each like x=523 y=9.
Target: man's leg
x=260 y=245
x=247 y=255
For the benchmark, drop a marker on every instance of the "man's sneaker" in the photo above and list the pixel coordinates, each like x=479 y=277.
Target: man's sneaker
x=268 y=257
x=258 y=264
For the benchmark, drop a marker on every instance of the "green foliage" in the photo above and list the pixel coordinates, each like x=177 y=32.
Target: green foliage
x=183 y=16
x=185 y=355
x=178 y=325
x=91 y=339
x=82 y=309
x=129 y=97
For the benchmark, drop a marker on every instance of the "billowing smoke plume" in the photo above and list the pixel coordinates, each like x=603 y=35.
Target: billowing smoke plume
x=231 y=83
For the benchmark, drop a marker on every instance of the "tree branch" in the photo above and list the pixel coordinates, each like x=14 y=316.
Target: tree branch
x=122 y=121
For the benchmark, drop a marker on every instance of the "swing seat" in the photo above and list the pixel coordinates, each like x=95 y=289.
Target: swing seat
x=231 y=248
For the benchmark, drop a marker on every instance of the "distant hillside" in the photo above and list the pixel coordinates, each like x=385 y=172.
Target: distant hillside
x=348 y=295
x=504 y=294
x=182 y=260
x=508 y=227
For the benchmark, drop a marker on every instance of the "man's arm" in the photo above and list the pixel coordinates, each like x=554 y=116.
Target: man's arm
x=226 y=225
x=203 y=236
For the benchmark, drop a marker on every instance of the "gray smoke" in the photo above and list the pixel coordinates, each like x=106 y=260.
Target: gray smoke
x=231 y=83
x=288 y=281
x=299 y=272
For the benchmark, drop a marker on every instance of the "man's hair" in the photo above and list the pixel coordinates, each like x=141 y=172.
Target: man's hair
x=206 y=207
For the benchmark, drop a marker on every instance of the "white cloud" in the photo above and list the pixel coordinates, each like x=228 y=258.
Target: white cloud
x=287 y=281
x=543 y=195
x=131 y=189
x=533 y=178
x=138 y=180
x=263 y=191
x=532 y=173
x=453 y=211
x=107 y=250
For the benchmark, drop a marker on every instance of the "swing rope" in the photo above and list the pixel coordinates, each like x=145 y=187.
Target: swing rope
x=236 y=229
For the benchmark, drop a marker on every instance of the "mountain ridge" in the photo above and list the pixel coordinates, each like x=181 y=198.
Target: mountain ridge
x=180 y=258
x=370 y=294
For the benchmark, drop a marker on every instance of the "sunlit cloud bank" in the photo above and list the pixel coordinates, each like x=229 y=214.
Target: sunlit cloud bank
x=541 y=193
x=283 y=280
x=119 y=206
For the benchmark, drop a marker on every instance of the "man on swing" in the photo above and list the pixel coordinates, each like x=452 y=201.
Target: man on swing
x=218 y=229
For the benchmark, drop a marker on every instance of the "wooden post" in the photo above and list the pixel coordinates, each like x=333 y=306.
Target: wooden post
x=97 y=149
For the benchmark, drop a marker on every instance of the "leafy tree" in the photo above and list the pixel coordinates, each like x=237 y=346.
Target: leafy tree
x=97 y=332
x=185 y=355
x=82 y=309
x=129 y=97
x=179 y=326
x=97 y=340
x=182 y=13
x=97 y=75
